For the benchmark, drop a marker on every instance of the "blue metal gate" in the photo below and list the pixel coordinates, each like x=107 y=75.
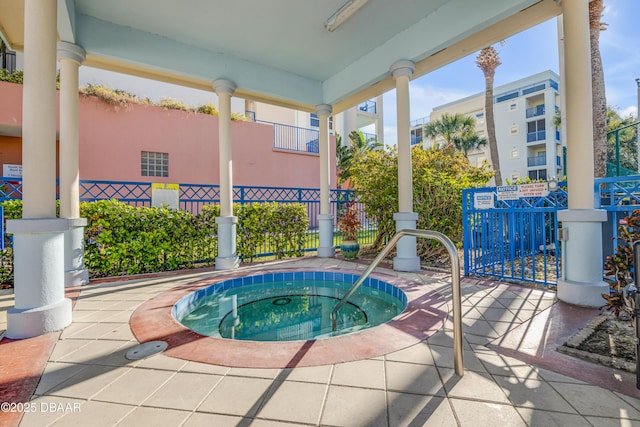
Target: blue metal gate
x=512 y=239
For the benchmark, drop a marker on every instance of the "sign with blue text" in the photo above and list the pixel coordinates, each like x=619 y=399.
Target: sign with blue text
x=483 y=201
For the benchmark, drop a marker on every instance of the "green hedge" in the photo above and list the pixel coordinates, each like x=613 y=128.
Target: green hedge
x=121 y=239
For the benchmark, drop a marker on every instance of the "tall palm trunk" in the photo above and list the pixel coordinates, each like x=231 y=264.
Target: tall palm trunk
x=596 y=8
x=488 y=60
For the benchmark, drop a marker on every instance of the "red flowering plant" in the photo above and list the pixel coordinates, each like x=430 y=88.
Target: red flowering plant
x=349 y=223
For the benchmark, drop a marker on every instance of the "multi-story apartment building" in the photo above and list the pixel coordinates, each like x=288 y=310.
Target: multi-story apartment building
x=529 y=145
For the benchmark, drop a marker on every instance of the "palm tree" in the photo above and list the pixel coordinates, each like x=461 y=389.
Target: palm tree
x=596 y=8
x=468 y=143
x=360 y=145
x=347 y=155
x=343 y=160
x=450 y=127
x=488 y=60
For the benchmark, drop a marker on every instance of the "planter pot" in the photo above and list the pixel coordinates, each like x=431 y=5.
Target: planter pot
x=350 y=249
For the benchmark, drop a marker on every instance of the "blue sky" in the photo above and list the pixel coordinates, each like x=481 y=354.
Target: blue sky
x=524 y=54
x=530 y=52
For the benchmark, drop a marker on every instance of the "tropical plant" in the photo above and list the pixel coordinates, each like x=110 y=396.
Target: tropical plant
x=596 y=8
x=15 y=77
x=173 y=104
x=207 y=109
x=468 y=143
x=488 y=60
x=451 y=128
x=622 y=141
x=116 y=97
x=347 y=155
x=349 y=222
x=360 y=144
x=438 y=179
x=618 y=268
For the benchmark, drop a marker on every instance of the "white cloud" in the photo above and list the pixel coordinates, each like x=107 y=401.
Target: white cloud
x=631 y=111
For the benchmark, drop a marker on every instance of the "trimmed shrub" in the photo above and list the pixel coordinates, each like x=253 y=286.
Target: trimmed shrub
x=121 y=239
x=439 y=176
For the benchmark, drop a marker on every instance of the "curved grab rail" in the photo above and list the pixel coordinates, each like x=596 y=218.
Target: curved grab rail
x=455 y=286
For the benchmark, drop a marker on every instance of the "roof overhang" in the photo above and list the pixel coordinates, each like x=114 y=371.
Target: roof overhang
x=279 y=51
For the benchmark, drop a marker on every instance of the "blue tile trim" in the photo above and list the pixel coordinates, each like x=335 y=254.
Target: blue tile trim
x=189 y=302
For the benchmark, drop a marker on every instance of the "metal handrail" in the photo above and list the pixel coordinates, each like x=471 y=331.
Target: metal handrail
x=455 y=286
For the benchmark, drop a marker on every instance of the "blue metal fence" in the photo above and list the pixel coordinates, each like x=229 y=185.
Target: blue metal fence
x=194 y=196
x=619 y=196
x=512 y=239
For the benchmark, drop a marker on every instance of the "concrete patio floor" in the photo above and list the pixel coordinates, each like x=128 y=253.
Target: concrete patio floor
x=513 y=375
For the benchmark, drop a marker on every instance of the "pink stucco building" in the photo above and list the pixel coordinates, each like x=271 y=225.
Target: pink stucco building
x=113 y=140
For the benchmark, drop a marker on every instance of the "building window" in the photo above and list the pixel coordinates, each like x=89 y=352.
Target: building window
x=330 y=123
x=154 y=164
x=536 y=130
x=507 y=96
x=513 y=107
x=515 y=176
x=515 y=154
x=540 y=174
x=514 y=130
x=314 y=121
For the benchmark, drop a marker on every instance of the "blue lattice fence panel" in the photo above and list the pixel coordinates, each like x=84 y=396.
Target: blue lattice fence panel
x=619 y=196
x=10 y=188
x=194 y=196
x=134 y=193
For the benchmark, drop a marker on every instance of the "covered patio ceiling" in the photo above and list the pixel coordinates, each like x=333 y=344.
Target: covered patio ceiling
x=279 y=51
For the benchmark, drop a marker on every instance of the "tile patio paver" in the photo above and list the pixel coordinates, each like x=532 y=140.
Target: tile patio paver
x=183 y=391
x=237 y=396
x=294 y=401
x=363 y=373
x=416 y=385
x=350 y=406
x=415 y=410
x=134 y=387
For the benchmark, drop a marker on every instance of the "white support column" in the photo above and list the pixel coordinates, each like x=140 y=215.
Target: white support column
x=582 y=261
x=40 y=305
x=406 y=259
x=325 y=219
x=70 y=58
x=227 y=258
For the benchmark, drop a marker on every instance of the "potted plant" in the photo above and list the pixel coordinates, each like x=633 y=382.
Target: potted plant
x=349 y=225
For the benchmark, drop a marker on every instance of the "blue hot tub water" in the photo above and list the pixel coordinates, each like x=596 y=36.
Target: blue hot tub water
x=287 y=306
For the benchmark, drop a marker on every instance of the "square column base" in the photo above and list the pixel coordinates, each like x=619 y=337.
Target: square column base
x=33 y=322
x=75 y=274
x=326 y=249
x=582 y=293
x=406 y=258
x=227 y=258
x=582 y=260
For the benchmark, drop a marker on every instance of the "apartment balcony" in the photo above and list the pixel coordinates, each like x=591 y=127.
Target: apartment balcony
x=537 y=161
x=540 y=135
x=535 y=111
x=369 y=136
x=368 y=106
x=419 y=122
